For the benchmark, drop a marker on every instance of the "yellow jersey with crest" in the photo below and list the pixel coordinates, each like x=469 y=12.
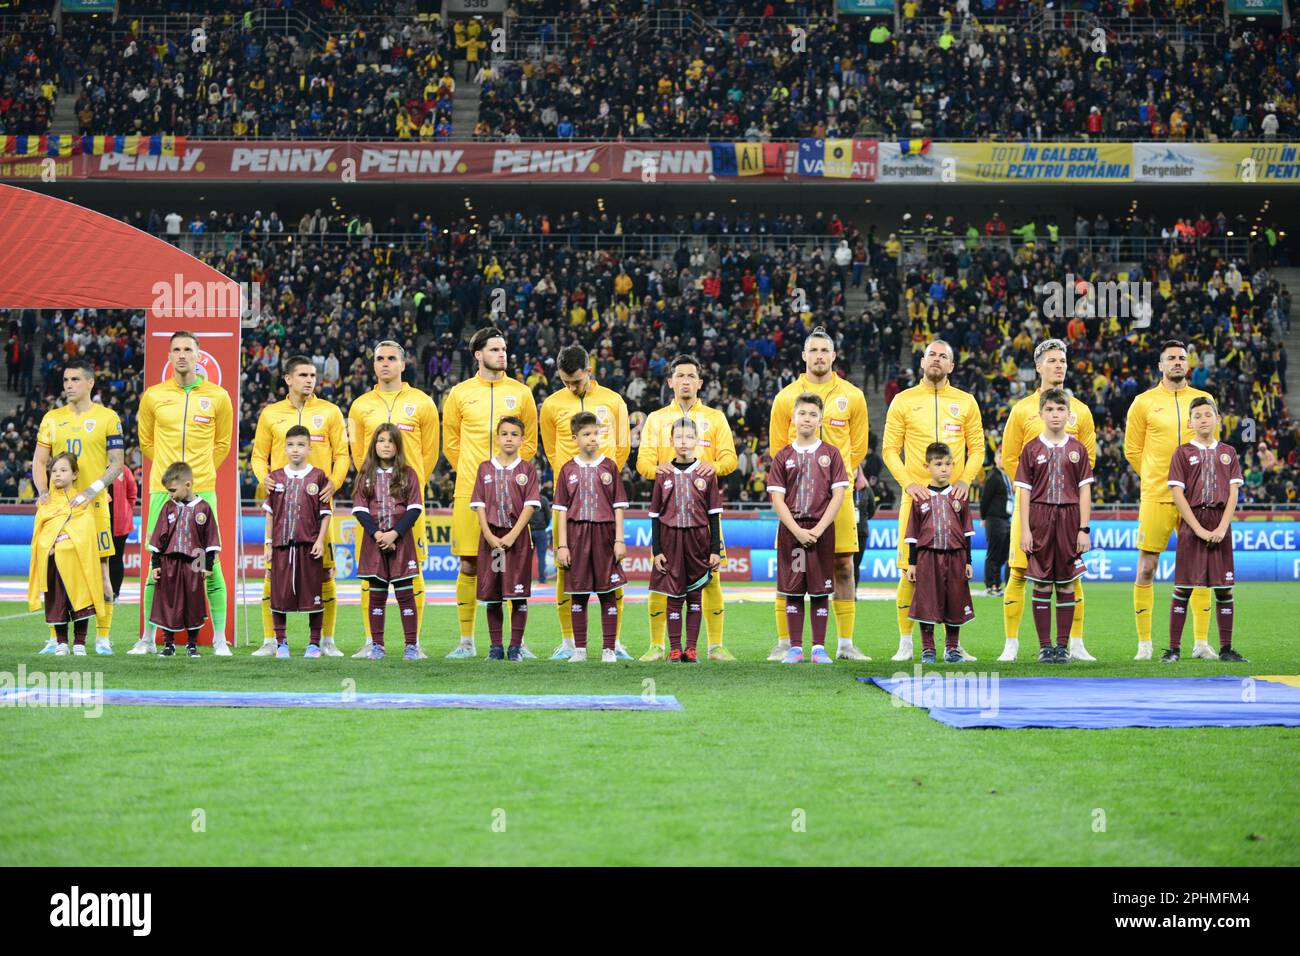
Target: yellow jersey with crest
x=558 y=410
x=1024 y=425
x=415 y=416
x=87 y=437
x=716 y=444
x=844 y=418
x=921 y=415
x=194 y=425
x=329 y=445
x=470 y=413
x=1156 y=427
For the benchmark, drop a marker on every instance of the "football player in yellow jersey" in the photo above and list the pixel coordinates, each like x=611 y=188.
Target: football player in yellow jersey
x=1156 y=427
x=185 y=419
x=416 y=417
x=716 y=453
x=328 y=452
x=933 y=411
x=92 y=434
x=470 y=413
x=1023 y=426
x=845 y=426
x=581 y=394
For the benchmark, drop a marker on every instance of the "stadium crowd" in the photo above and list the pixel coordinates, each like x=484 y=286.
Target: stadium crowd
x=737 y=290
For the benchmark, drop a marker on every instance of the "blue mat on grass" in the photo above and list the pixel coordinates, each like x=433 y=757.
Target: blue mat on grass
x=221 y=698
x=978 y=700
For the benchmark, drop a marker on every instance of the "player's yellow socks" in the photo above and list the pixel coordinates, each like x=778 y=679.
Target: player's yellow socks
x=618 y=603
x=1013 y=605
x=846 y=616
x=466 y=603
x=1076 y=628
x=103 y=625
x=1144 y=601
x=365 y=610
x=1201 y=614
x=268 y=625
x=562 y=608
x=782 y=624
x=657 y=605
x=713 y=606
x=905 y=591
x=417 y=592
x=329 y=601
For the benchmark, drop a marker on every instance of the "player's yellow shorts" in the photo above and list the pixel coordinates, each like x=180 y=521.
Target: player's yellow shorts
x=1019 y=559
x=1157 y=521
x=421 y=531
x=846 y=526
x=904 y=509
x=331 y=540
x=464 y=529
x=103 y=526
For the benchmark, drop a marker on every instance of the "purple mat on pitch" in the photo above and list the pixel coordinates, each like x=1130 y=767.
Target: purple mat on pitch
x=222 y=698
x=986 y=700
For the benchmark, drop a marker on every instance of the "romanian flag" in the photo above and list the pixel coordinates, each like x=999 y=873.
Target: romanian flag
x=737 y=159
x=63 y=144
x=914 y=147
x=22 y=145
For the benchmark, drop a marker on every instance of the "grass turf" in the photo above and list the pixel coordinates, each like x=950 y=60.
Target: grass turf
x=767 y=764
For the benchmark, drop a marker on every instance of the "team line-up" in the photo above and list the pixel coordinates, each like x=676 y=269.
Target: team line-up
x=489 y=431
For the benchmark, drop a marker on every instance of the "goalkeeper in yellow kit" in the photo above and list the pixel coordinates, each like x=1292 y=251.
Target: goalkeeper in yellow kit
x=1157 y=425
x=416 y=417
x=716 y=453
x=581 y=393
x=933 y=411
x=470 y=414
x=844 y=425
x=1023 y=426
x=328 y=452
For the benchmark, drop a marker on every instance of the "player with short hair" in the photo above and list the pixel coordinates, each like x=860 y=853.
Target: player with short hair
x=715 y=451
x=470 y=413
x=297 y=539
x=938 y=538
x=183 y=548
x=1156 y=427
x=581 y=393
x=1205 y=475
x=301 y=408
x=590 y=499
x=686 y=539
x=414 y=415
x=932 y=411
x=808 y=483
x=845 y=425
x=1023 y=425
x=1053 y=489
x=189 y=420
x=92 y=434
x=506 y=493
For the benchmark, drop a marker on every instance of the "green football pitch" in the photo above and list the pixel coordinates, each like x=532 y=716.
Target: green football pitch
x=766 y=764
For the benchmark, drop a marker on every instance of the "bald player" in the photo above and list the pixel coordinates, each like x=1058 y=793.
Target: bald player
x=581 y=393
x=1023 y=426
x=1156 y=427
x=470 y=413
x=416 y=417
x=716 y=453
x=844 y=425
x=328 y=452
x=932 y=411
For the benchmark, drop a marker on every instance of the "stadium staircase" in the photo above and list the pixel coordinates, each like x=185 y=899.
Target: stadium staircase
x=855 y=300
x=464 y=109
x=1291 y=279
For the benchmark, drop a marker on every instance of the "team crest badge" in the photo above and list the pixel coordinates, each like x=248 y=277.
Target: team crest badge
x=90 y=425
x=521 y=479
x=601 y=412
x=313 y=488
x=200 y=518
x=605 y=478
x=205 y=404
x=842 y=403
x=956 y=505
x=1225 y=458
x=318 y=421
x=954 y=410
x=1073 y=420
x=824 y=461
x=703 y=426
x=409 y=408
x=701 y=484
x=511 y=402
x=1074 y=457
